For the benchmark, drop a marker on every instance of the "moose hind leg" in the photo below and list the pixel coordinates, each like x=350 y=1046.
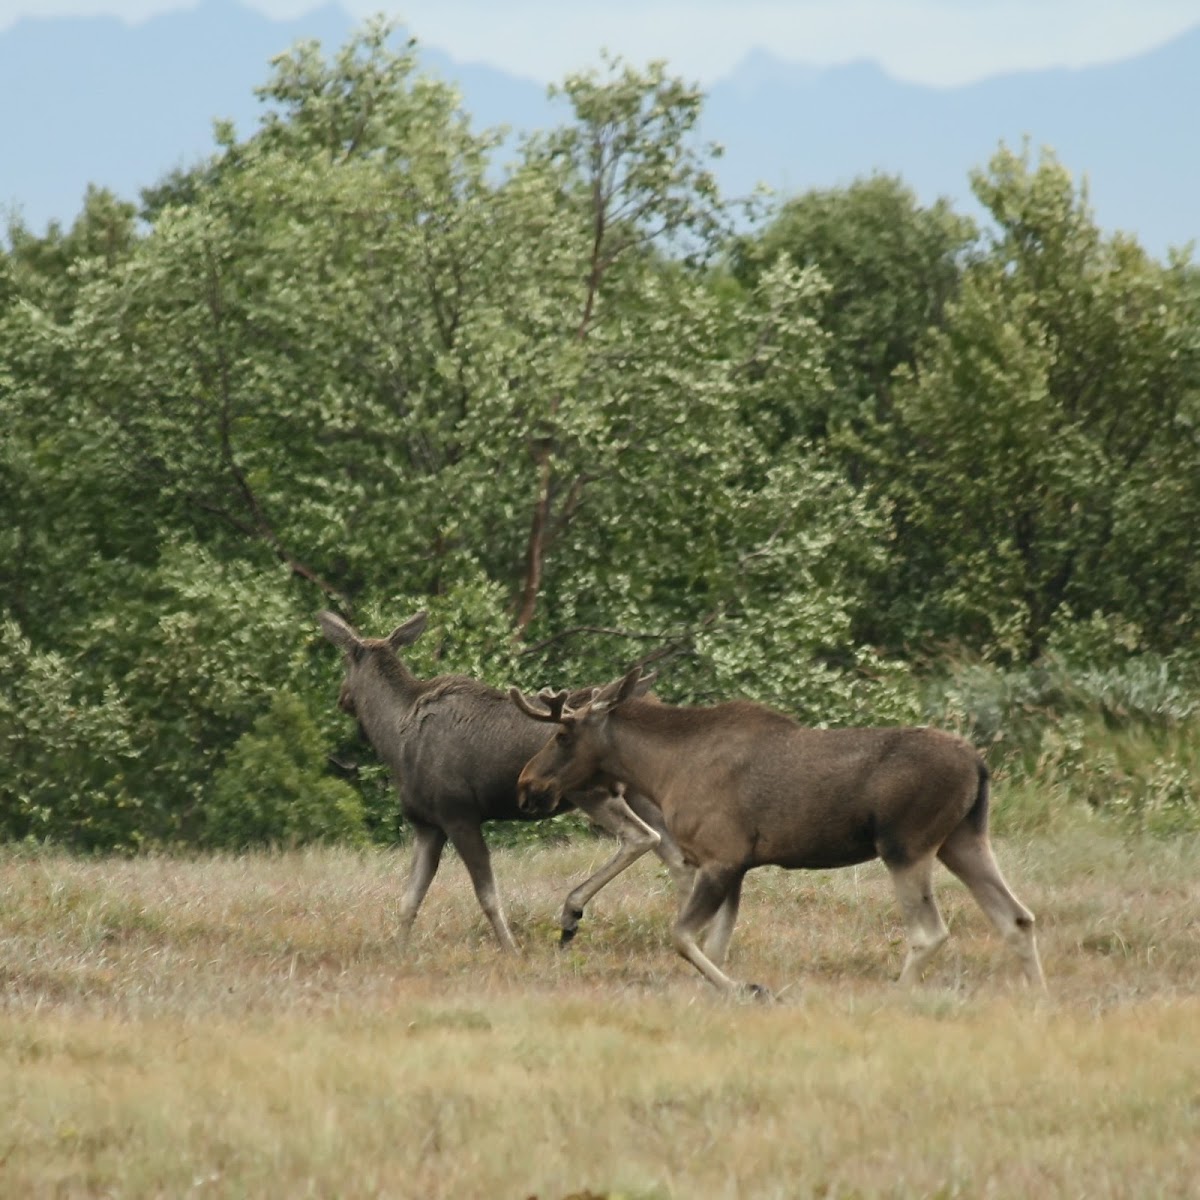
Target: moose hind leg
x=720 y=931
x=428 y=841
x=468 y=841
x=712 y=887
x=925 y=929
x=968 y=854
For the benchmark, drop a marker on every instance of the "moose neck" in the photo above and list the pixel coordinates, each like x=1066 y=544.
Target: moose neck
x=646 y=739
x=386 y=695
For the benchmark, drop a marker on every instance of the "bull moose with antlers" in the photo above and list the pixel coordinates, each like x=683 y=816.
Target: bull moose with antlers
x=742 y=786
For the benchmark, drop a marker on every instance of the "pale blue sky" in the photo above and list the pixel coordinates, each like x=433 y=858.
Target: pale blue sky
x=941 y=42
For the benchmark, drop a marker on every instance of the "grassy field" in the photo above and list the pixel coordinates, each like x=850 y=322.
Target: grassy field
x=242 y=1027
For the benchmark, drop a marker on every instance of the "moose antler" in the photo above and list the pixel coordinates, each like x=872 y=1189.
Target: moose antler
x=555 y=704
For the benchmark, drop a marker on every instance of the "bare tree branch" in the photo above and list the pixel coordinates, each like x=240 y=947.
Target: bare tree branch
x=261 y=528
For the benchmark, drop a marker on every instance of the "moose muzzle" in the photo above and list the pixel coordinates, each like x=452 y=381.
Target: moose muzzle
x=535 y=797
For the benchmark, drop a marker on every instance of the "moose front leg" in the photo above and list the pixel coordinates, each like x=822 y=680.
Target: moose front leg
x=667 y=849
x=634 y=837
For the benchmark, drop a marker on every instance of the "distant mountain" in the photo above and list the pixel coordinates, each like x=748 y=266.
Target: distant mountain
x=1129 y=127
x=93 y=100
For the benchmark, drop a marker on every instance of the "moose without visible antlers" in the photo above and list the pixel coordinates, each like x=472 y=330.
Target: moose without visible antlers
x=743 y=786
x=454 y=747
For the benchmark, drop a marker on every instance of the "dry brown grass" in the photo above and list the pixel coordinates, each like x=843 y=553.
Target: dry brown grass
x=247 y=1027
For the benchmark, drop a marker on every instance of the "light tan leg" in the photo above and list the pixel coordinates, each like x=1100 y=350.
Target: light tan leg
x=428 y=841
x=468 y=841
x=716 y=940
x=969 y=855
x=667 y=849
x=712 y=887
x=634 y=837
x=923 y=922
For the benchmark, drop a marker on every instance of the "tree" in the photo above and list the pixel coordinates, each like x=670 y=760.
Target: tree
x=890 y=265
x=195 y=649
x=634 y=186
x=70 y=519
x=45 y=269
x=65 y=753
x=350 y=363
x=257 y=362
x=1123 y=333
x=1040 y=429
x=274 y=788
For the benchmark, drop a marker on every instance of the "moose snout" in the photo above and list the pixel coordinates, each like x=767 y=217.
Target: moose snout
x=536 y=797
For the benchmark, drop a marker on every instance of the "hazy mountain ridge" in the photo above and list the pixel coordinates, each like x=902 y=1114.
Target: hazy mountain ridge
x=96 y=100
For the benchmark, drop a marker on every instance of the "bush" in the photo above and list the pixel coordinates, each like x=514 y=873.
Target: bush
x=1121 y=739
x=274 y=790
x=197 y=647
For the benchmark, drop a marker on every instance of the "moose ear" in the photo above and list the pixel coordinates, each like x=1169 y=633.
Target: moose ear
x=406 y=634
x=619 y=691
x=643 y=685
x=338 y=631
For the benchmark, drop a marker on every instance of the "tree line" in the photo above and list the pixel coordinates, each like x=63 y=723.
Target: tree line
x=858 y=457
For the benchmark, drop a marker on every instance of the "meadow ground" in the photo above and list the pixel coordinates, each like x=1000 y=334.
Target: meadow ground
x=246 y=1026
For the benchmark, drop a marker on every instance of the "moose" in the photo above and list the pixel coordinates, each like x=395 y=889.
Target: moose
x=741 y=785
x=454 y=747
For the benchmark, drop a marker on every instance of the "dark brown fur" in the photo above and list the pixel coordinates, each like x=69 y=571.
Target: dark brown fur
x=454 y=747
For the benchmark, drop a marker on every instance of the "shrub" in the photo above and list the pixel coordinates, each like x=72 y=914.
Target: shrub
x=1120 y=738
x=273 y=788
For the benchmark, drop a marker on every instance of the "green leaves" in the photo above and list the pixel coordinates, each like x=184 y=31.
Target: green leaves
x=66 y=755
x=352 y=362
x=274 y=789
x=889 y=266
x=1021 y=460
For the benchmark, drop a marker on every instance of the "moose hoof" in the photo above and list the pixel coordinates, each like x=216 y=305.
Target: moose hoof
x=570 y=925
x=757 y=993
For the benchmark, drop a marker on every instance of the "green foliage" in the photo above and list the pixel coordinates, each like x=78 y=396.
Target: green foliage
x=1121 y=740
x=195 y=656
x=349 y=362
x=46 y=270
x=274 y=788
x=1041 y=458
x=76 y=517
x=890 y=267
x=978 y=437
x=1121 y=332
x=469 y=630
x=66 y=756
x=632 y=159
x=257 y=362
